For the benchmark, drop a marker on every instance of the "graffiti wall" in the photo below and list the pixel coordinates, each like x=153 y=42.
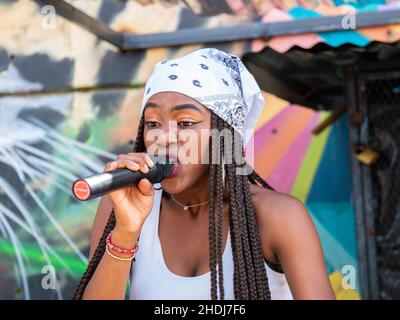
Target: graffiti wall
x=315 y=169
x=69 y=102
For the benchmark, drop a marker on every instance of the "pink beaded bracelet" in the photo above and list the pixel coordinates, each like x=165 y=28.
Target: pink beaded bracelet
x=120 y=250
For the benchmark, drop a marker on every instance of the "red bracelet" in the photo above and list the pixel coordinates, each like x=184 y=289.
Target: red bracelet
x=120 y=250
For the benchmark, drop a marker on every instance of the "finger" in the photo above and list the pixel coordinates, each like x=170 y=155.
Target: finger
x=149 y=161
x=112 y=165
x=136 y=158
x=128 y=164
x=145 y=187
x=143 y=156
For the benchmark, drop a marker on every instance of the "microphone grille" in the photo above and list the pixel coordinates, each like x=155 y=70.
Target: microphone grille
x=165 y=163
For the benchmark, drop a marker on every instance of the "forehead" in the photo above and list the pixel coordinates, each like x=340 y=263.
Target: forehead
x=169 y=99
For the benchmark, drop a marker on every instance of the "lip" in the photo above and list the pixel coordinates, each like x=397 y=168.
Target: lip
x=175 y=170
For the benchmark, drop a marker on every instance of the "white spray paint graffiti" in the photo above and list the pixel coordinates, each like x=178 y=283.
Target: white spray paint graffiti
x=30 y=164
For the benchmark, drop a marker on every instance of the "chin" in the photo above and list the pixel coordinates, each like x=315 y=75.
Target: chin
x=173 y=185
x=184 y=179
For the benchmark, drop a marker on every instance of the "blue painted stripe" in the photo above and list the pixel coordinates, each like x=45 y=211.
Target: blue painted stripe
x=336 y=228
x=359 y=4
x=332 y=38
x=332 y=180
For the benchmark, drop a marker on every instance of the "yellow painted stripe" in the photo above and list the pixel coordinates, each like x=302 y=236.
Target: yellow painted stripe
x=309 y=166
x=341 y=293
x=273 y=105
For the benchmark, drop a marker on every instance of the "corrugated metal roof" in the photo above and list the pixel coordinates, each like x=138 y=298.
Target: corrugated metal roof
x=317 y=77
x=292 y=10
x=360 y=37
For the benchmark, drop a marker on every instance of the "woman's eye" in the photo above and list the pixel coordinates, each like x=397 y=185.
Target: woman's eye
x=186 y=124
x=151 y=124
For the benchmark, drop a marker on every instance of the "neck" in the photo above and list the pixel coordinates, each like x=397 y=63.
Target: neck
x=198 y=193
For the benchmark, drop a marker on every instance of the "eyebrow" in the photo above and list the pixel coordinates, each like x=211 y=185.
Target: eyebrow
x=175 y=108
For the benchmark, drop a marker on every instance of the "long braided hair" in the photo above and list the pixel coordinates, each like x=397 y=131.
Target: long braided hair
x=250 y=278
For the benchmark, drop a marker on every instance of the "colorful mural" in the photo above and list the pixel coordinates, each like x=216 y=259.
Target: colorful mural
x=315 y=169
x=69 y=102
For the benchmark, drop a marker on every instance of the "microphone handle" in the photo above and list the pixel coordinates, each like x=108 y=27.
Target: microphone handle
x=99 y=184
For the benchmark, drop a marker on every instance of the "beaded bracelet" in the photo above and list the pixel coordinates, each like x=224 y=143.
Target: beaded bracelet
x=119 y=258
x=121 y=250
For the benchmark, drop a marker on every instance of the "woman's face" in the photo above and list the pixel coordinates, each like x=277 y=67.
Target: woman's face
x=178 y=126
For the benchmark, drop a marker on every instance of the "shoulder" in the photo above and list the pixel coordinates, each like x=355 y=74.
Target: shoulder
x=281 y=219
x=289 y=237
x=270 y=204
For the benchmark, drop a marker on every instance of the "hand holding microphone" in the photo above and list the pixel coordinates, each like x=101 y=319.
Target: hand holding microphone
x=128 y=182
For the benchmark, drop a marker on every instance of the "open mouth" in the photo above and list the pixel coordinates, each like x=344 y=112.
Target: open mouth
x=176 y=165
x=175 y=170
x=174 y=161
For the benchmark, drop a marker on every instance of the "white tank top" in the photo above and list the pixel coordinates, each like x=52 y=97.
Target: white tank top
x=151 y=278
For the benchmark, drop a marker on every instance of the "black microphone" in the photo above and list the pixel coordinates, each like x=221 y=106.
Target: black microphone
x=99 y=184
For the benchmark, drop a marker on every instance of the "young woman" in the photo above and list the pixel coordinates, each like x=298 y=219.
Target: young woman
x=210 y=230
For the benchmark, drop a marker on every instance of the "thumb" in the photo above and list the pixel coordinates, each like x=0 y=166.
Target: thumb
x=145 y=187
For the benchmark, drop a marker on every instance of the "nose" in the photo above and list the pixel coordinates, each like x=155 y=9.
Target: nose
x=169 y=134
x=164 y=139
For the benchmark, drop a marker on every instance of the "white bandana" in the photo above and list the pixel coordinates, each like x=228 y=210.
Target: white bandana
x=217 y=80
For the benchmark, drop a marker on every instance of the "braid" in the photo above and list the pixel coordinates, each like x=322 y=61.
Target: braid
x=241 y=291
x=98 y=254
x=211 y=229
x=254 y=177
x=255 y=240
x=100 y=249
x=250 y=277
x=220 y=207
x=247 y=250
x=236 y=231
x=237 y=195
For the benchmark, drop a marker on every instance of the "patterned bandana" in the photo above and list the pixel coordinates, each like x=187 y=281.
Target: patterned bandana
x=217 y=80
